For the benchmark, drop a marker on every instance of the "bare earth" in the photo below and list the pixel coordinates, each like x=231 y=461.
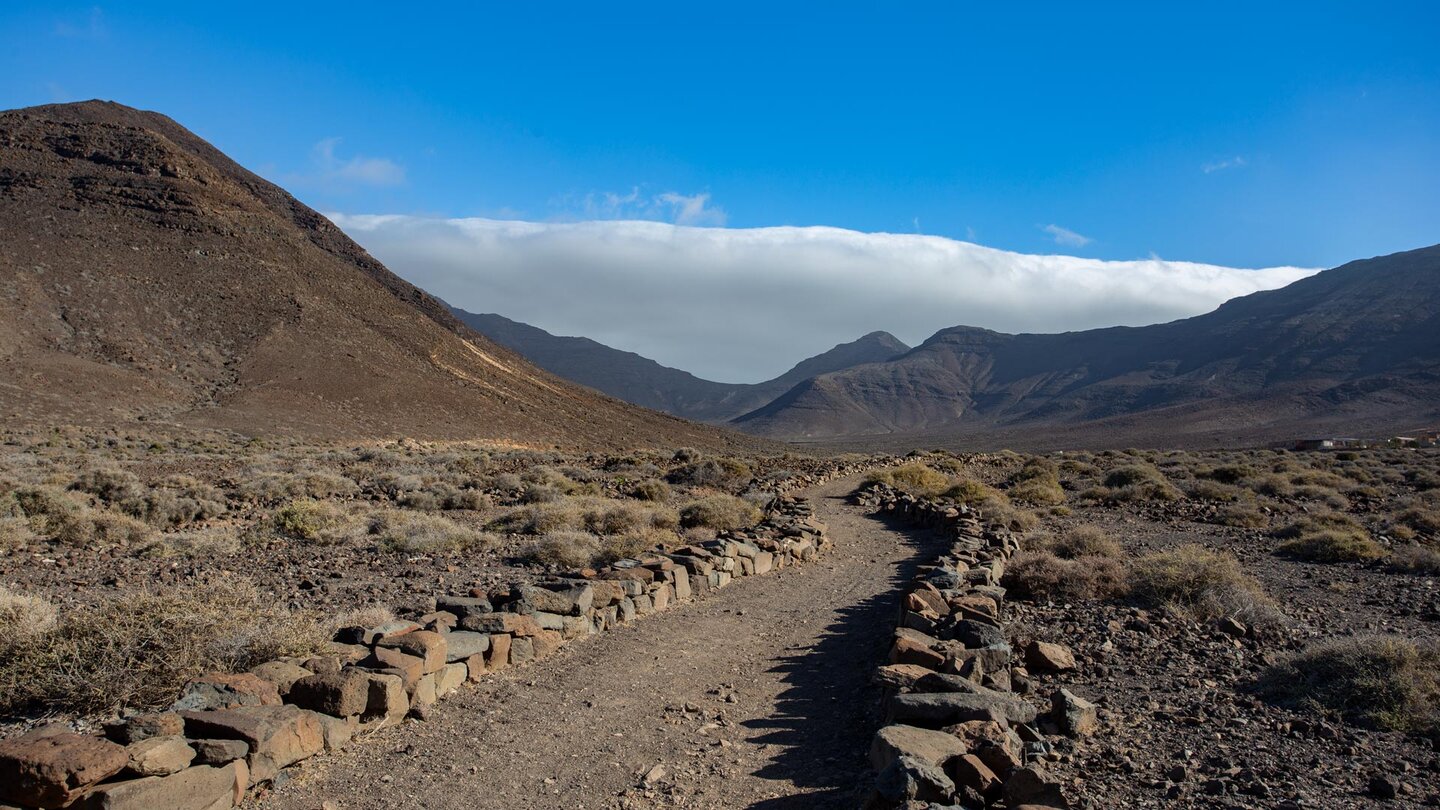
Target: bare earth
x=759 y=696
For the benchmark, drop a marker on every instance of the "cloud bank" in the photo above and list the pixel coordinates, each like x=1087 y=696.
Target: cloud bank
x=743 y=305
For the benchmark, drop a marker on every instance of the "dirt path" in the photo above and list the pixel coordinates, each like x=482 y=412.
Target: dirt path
x=758 y=696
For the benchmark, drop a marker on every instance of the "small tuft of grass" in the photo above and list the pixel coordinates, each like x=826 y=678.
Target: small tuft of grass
x=568 y=549
x=414 y=532
x=719 y=512
x=1081 y=541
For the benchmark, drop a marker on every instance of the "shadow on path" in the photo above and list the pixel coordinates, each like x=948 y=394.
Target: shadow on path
x=830 y=710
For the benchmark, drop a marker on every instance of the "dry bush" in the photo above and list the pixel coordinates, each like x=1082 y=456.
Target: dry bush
x=1042 y=575
x=1203 y=489
x=1037 y=483
x=109 y=484
x=15 y=533
x=24 y=617
x=719 y=512
x=46 y=508
x=1241 y=515
x=651 y=490
x=412 y=532
x=1272 y=484
x=1419 y=516
x=1325 y=495
x=1202 y=584
x=915 y=478
x=541 y=518
x=1227 y=474
x=1081 y=541
x=318 y=522
x=90 y=528
x=568 y=549
x=138 y=648
x=1383 y=682
x=372 y=615
x=1415 y=559
x=633 y=544
x=723 y=473
x=216 y=542
x=1328 y=537
x=177 y=501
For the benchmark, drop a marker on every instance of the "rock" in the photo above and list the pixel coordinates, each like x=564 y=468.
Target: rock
x=427 y=645
x=946 y=708
x=199 y=788
x=654 y=776
x=449 y=678
x=499 y=656
x=386 y=701
x=1382 y=787
x=1042 y=656
x=976 y=635
x=908 y=779
x=281 y=673
x=226 y=690
x=160 y=756
x=278 y=735
x=909 y=651
x=1231 y=627
x=409 y=667
x=343 y=694
x=462 y=606
x=1074 y=715
x=144 y=726
x=972 y=772
x=515 y=624
x=337 y=731
x=219 y=752
x=50 y=770
x=901 y=676
x=461 y=644
x=894 y=741
x=424 y=691
x=996 y=744
x=522 y=651
x=1031 y=785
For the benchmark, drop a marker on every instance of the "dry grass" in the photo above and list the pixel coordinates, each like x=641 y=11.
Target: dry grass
x=1202 y=584
x=138 y=648
x=720 y=512
x=651 y=490
x=1383 y=682
x=1081 y=541
x=319 y=522
x=1328 y=537
x=915 y=478
x=1042 y=575
x=567 y=549
x=418 y=533
x=1415 y=559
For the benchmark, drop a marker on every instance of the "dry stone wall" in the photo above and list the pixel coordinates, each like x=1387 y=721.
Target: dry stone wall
x=965 y=727
x=230 y=732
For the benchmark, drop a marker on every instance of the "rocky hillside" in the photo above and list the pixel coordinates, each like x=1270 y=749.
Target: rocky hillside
x=1356 y=347
x=147 y=277
x=637 y=379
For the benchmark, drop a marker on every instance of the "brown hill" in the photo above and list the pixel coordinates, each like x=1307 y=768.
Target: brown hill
x=642 y=381
x=147 y=277
x=1354 y=349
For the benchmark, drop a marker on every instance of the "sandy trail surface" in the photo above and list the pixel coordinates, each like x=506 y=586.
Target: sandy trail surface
x=757 y=696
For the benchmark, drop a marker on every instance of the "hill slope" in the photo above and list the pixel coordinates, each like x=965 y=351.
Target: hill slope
x=628 y=376
x=148 y=277
x=1349 y=346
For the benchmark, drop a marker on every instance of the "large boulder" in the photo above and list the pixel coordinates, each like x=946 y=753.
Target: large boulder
x=909 y=779
x=49 y=770
x=926 y=745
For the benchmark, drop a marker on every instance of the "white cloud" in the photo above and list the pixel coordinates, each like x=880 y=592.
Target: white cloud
x=1066 y=237
x=668 y=206
x=1236 y=162
x=743 y=305
x=692 y=210
x=358 y=170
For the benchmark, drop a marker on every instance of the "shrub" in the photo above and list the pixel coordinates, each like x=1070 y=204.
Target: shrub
x=1415 y=559
x=542 y=518
x=1419 y=517
x=724 y=473
x=1042 y=575
x=652 y=490
x=1207 y=490
x=1384 y=682
x=567 y=549
x=1331 y=546
x=1202 y=584
x=109 y=484
x=1243 y=516
x=914 y=478
x=719 y=512
x=412 y=532
x=632 y=544
x=316 y=521
x=14 y=533
x=138 y=648
x=1081 y=541
x=24 y=617
x=372 y=615
x=214 y=542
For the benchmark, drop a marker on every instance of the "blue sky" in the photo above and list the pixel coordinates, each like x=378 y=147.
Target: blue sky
x=1242 y=134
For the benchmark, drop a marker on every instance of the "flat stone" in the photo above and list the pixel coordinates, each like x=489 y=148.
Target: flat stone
x=909 y=779
x=462 y=606
x=499 y=656
x=461 y=644
x=410 y=667
x=281 y=673
x=219 y=752
x=50 y=770
x=160 y=756
x=909 y=651
x=144 y=726
x=901 y=676
x=427 y=645
x=522 y=651
x=926 y=745
x=1034 y=786
x=946 y=708
x=199 y=788
x=449 y=678
x=343 y=694
x=226 y=690
x=515 y=624
x=278 y=735
x=386 y=701
x=1042 y=656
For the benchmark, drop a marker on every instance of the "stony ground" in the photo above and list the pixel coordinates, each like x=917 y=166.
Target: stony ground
x=756 y=697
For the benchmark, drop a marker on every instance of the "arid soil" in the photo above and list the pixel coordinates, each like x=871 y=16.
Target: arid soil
x=756 y=697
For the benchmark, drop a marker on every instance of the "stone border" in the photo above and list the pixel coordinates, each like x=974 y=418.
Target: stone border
x=957 y=729
x=231 y=732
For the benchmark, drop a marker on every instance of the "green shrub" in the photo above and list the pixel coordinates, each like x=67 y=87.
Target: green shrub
x=1202 y=584
x=1383 y=682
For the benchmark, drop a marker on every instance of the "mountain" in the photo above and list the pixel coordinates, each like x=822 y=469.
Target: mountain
x=628 y=376
x=149 y=278
x=1356 y=347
